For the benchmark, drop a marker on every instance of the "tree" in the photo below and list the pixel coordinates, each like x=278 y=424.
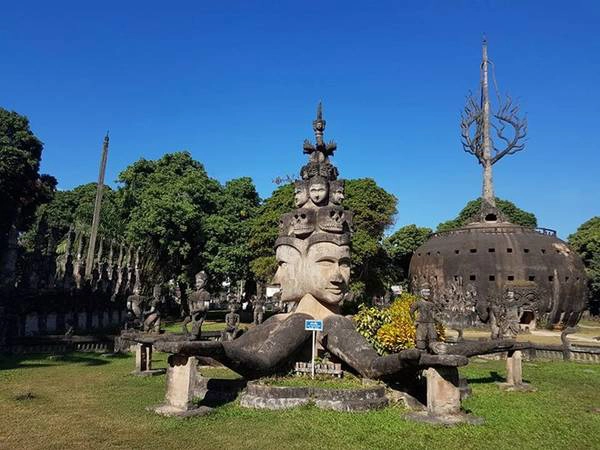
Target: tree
x=586 y=242
x=22 y=188
x=227 y=250
x=472 y=208
x=168 y=203
x=264 y=229
x=401 y=245
x=374 y=210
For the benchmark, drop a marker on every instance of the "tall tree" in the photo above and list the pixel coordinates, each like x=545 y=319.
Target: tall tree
x=401 y=245
x=586 y=242
x=512 y=212
x=169 y=202
x=227 y=250
x=22 y=188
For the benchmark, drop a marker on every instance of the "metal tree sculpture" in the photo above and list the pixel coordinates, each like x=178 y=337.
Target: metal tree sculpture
x=479 y=143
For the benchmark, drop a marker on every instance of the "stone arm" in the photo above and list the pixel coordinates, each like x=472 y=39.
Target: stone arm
x=413 y=310
x=257 y=352
x=346 y=343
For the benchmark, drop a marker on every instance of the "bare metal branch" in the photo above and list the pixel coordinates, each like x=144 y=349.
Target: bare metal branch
x=472 y=115
x=508 y=115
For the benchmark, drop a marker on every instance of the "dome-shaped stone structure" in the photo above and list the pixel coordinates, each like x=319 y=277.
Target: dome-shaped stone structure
x=489 y=263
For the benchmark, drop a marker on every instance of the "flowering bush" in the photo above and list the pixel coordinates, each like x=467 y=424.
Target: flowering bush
x=390 y=330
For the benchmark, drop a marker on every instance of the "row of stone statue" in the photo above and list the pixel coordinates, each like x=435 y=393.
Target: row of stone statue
x=115 y=272
x=144 y=313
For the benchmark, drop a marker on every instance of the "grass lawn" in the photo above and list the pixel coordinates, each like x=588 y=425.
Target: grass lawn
x=90 y=401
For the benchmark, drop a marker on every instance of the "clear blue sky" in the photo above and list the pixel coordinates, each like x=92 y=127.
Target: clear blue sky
x=236 y=83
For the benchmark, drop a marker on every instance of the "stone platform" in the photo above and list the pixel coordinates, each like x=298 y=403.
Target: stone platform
x=263 y=396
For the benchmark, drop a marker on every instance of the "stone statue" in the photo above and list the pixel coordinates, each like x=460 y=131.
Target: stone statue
x=152 y=320
x=135 y=309
x=198 y=302
x=313 y=257
x=425 y=323
x=232 y=322
x=258 y=309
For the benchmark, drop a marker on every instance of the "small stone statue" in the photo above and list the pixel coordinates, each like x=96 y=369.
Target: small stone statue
x=232 y=322
x=425 y=323
x=198 y=302
x=152 y=320
x=135 y=308
x=258 y=306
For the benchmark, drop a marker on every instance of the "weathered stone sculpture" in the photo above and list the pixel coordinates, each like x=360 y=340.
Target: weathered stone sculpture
x=258 y=309
x=232 y=323
x=198 y=302
x=313 y=256
x=425 y=322
x=135 y=309
x=152 y=315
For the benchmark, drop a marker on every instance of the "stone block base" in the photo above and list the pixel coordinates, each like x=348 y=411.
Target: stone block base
x=522 y=387
x=172 y=411
x=444 y=419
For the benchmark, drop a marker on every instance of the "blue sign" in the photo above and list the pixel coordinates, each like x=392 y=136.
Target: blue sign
x=313 y=325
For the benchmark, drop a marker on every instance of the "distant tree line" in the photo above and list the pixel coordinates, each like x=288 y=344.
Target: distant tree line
x=188 y=221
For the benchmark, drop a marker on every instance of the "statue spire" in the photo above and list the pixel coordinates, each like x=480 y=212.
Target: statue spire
x=476 y=123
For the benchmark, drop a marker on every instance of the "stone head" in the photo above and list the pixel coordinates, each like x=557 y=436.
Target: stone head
x=336 y=189
x=201 y=279
x=318 y=190
x=300 y=193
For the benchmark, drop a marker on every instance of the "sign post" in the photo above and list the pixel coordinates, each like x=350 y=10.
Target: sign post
x=314 y=326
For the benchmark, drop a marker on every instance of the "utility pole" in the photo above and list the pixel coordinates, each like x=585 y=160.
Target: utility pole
x=97 y=205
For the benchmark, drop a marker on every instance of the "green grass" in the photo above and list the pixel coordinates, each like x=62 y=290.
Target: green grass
x=89 y=401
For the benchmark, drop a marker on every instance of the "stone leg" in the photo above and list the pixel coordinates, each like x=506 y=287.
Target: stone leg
x=514 y=373
x=443 y=399
x=443 y=391
x=182 y=380
x=143 y=361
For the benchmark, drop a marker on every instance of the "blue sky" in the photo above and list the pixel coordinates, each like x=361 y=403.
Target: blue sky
x=237 y=83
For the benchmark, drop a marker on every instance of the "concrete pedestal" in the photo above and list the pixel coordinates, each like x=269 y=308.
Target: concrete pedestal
x=514 y=374
x=143 y=361
x=443 y=399
x=182 y=380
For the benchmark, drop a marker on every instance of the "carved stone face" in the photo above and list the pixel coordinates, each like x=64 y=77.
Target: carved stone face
x=300 y=194
x=337 y=194
x=318 y=191
x=289 y=273
x=327 y=271
x=200 y=283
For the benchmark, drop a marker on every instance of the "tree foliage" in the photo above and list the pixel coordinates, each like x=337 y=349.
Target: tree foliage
x=22 y=188
x=401 y=245
x=586 y=242
x=472 y=208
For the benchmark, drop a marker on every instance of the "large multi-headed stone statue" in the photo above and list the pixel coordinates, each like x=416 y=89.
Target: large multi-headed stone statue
x=313 y=256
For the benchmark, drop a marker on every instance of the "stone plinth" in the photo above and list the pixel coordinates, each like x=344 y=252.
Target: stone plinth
x=514 y=374
x=443 y=399
x=143 y=361
x=182 y=380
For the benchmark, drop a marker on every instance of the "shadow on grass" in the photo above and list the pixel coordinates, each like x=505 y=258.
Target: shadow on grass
x=494 y=377
x=33 y=361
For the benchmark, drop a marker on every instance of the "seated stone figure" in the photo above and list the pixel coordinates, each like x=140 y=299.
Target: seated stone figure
x=152 y=315
x=232 y=323
x=135 y=309
x=198 y=302
x=313 y=257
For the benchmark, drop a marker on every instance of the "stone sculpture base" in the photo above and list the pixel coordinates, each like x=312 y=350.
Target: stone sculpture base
x=143 y=362
x=443 y=399
x=262 y=396
x=514 y=374
x=182 y=381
